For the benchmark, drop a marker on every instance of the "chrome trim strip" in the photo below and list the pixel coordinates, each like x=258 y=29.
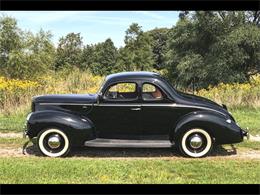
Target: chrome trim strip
x=70 y=104
x=200 y=107
x=28 y=116
x=162 y=105
x=137 y=105
x=99 y=142
x=121 y=105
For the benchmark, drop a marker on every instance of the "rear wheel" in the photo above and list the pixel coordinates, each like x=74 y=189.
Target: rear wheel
x=53 y=142
x=195 y=143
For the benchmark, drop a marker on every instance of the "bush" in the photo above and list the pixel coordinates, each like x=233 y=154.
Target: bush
x=14 y=92
x=235 y=95
x=15 y=95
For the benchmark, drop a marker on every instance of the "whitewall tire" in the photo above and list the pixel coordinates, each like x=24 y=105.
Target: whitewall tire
x=195 y=143
x=53 y=142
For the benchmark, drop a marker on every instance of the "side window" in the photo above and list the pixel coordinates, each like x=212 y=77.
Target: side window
x=151 y=92
x=122 y=91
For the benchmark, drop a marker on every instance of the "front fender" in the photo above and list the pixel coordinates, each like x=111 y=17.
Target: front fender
x=77 y=128
x=216 y=125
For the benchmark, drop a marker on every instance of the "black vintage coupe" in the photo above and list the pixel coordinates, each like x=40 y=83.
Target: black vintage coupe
x=131 y=109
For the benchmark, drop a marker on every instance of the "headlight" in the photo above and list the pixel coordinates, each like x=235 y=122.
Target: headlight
x=228 y=121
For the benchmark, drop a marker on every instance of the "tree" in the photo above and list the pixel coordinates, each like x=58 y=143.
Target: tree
x=101 y=58
x=88 y=57
x=183 y=14
x=124 y=60
x=224 y=46
x=69 y=51
x=159 y=38
x=10 y=40
x=35 y=59
x=236 y=57
x=24 y=55
x=137 y=53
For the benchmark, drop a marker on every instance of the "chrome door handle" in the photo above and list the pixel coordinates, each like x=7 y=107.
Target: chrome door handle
x=135 y=109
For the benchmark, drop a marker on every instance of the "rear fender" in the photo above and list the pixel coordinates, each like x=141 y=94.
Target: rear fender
x=216 y=125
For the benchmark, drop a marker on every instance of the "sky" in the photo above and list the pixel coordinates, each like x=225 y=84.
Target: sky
x=94 y=26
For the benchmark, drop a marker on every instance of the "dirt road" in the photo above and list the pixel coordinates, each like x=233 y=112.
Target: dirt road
x=228 y=152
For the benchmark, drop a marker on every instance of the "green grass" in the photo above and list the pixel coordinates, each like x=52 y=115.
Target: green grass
x=12 y=142
x=249 y=144
x=46 y=170
x=248 y=117
x=12 y=123
x=216 y=169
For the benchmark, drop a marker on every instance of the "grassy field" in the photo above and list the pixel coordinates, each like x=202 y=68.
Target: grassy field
x=13 y=123
x=248 y=117
x=45 y=170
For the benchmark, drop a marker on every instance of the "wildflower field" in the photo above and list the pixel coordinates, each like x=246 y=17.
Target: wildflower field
x=16 y=93
x=236 y=94
x=15 y=96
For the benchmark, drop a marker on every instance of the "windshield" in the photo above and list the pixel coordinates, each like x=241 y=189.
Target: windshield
x=101 y=86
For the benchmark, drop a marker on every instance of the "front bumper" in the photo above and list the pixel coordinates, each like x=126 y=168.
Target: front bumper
x=25 y=130
x=25 y=127
x=244 y=133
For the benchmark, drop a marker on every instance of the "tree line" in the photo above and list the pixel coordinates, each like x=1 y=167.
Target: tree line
x=203 y=48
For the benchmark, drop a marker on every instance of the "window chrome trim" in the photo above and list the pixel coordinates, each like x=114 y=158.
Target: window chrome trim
x=105 y=89
x=156 y=86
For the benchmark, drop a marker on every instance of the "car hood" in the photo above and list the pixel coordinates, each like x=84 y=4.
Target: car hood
x=66 y=98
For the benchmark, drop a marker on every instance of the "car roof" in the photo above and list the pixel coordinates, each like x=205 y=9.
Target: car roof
x=133 y=74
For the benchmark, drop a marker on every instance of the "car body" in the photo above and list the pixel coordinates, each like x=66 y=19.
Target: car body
x=131 y=109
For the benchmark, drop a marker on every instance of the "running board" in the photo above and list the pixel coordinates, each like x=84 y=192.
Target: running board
x=128 y=143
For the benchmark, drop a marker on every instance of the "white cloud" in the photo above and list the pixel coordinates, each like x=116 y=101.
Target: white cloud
x=152 y=15
x=94 y=26
x=48 y=17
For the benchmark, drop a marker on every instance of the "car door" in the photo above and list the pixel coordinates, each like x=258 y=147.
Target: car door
x=157 y=114
x=117 y=115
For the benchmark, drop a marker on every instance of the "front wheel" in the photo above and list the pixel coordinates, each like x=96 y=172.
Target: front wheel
x=195 y=143
x=53 y=142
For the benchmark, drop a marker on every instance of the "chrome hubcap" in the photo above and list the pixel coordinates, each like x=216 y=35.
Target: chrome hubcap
x=196 y=141
x=54 y=141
